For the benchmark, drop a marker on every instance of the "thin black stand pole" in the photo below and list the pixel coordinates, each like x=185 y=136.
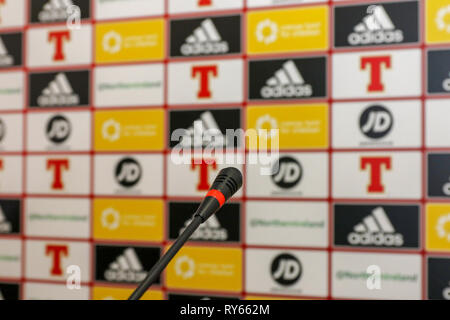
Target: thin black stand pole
x=165 y=259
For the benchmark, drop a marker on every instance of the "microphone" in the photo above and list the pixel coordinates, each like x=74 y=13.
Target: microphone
x=226 y=184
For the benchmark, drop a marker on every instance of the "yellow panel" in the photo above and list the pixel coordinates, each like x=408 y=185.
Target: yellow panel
x=273 y=31
x=128 y=219
x=438 y=227
x=438 y=21
x=299 y=127
x=206 y=268
x=130 y=41
x=129 y=130
x=111 y=293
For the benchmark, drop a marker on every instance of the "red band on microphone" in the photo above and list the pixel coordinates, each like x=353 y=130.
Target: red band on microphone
x=217 y=195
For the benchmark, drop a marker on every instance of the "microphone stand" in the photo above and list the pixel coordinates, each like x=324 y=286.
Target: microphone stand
x=226 y=184
x=165 y=259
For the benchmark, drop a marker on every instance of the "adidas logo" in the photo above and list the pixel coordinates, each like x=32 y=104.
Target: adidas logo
x=5 y=58
x=375 y=28
x=210 y=230
x=126 y=268
x=287 y=83
x=58 y=93
x=5 y=225
x=55 y=10
x=376 y=229
x=2 y=130
x=204 y=132
x=204 y=40
x=446 y=84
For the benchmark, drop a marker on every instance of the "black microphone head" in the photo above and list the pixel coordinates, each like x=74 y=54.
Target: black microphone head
x=228 y=181
x=226 y=184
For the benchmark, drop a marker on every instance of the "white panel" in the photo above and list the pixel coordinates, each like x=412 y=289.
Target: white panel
x=76 y=50
x=437 y=123
x=300 y=175
x=127 y=8
x=287 y=223
x=224 y=87
x=150 y=182
x=312 y=274
x=400 y=125
x=400 y=74
x=49 y=260
x=11 y=175
x=402 y=181
x=75 y=179
x=49 y=132
x=137 y=85
x=182 y=6
x=11 y=132
x=400 y=276
x=66 y=218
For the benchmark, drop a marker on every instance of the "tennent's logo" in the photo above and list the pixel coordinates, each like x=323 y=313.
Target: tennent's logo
x=56 y=253
x=57 y=167
x=204 y=165
x=375 y=66
x=59 y=38
x=204 y=74
x=375 y=165
x=204 y=3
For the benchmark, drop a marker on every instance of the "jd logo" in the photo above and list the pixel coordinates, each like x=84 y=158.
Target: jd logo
x=286 y=269
x=128 y=172
x=289 y=174
x=374 y=280
x=58 y=129
x=376 y=122
x=2 y=130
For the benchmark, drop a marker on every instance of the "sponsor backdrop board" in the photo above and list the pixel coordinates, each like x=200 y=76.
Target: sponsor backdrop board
x=98 y=99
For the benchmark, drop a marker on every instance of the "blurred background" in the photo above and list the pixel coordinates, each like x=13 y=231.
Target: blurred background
x=93 y=191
